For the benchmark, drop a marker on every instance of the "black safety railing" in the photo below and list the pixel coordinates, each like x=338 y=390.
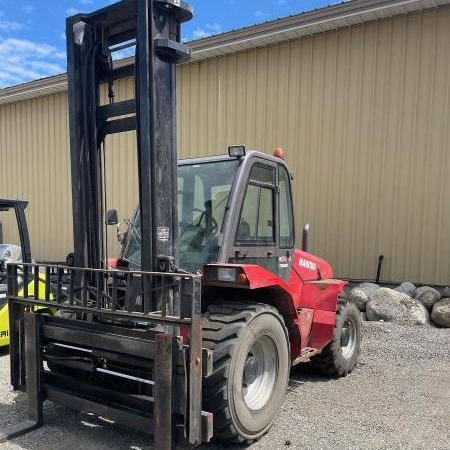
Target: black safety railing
x=82 y=302
x=143 y=295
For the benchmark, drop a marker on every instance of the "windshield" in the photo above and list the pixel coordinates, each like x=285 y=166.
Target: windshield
x=203 y=191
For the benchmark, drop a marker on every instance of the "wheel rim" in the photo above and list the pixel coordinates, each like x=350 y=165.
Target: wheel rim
x=260 y=373
x=348 y=338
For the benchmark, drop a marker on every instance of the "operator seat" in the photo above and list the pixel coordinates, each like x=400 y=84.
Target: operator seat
x=244 y=231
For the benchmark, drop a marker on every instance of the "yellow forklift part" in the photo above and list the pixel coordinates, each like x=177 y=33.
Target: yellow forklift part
x=4 y=311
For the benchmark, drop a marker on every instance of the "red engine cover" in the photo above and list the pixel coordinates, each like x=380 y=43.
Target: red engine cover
x=309 y=298
x=311 y=267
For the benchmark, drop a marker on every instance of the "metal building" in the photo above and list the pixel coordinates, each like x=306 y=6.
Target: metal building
x=357 y=94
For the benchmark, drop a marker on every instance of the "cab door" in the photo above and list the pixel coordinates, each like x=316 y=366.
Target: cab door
x=264 y=232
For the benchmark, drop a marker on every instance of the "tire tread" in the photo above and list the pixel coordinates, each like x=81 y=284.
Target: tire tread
x=329 y=362
x=222 y=325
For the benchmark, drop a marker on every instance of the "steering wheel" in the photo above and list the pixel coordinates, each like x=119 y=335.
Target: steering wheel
x=210 y=219
x=193 y=234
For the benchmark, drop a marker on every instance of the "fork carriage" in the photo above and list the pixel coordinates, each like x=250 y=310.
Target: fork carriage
x=112 y=345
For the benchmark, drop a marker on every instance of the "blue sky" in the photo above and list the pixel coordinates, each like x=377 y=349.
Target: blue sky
x=32 y=43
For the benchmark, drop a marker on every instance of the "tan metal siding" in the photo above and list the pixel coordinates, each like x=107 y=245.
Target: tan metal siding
x=35 y=166
x=361 y=112
x=121 y=170
x=363 y=116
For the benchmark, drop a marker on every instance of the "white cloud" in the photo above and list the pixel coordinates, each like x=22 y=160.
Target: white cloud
x=10 y=25
x=23 y=60
x=125 y=53
x=28 y=9
x=85 y=2
x=260 y=14
x=72 y=11
x=208 y=30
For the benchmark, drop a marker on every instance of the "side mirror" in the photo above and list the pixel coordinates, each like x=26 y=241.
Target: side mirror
x=111 y=217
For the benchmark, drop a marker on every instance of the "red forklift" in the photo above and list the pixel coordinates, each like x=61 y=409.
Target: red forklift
x=192 y=334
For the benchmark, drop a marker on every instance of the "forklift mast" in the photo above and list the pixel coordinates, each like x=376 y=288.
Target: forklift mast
x=153 y=27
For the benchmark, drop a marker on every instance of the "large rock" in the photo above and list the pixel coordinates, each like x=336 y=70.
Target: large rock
x=446 y=292
x=441 y=313
x=392 y=306
x=428 y=296
x=406 y=288
x=360 y=294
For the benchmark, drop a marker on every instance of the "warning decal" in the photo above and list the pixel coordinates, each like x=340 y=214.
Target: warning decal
x=163 y=234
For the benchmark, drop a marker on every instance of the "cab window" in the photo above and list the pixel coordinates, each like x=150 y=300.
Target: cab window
x=285 y=207
x=256 y=223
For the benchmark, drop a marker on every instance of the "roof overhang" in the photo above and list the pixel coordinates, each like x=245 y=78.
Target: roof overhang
x=321 y=20
x=308 y=23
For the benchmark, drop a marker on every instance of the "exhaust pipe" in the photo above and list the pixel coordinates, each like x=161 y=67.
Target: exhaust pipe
x=305 y=237
x=380 y=263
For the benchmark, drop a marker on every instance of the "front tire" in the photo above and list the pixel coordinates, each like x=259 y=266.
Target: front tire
x=251 y=349
x=340 y=356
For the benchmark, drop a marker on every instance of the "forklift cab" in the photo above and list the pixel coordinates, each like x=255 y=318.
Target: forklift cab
x=231 y=209
x=259 y=227
x=11 y=252
x=20 y=249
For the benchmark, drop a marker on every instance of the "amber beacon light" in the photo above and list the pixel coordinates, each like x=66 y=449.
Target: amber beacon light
x=278 y=153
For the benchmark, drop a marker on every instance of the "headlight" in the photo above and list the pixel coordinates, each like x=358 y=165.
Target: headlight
x=225 y=274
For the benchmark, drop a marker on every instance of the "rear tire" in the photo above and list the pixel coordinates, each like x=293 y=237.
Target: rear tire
x=340 y=356
x=246 y=390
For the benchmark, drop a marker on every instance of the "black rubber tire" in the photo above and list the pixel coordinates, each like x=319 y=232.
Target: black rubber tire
x=332 y=361
x=230 y=329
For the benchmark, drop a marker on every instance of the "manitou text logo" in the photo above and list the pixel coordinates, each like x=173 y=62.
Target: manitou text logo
x=308 y=264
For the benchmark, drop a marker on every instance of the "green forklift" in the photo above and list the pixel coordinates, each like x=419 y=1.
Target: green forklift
x=19 y=251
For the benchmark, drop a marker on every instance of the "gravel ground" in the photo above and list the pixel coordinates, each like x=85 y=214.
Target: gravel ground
x=398 y=397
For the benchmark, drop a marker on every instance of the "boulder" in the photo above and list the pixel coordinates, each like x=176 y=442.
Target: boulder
x=440 y=314
x=392 y=306
x=359 y=298
x=360 y=294
x=446 y=292
x=428 y=296
x=406 y=288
